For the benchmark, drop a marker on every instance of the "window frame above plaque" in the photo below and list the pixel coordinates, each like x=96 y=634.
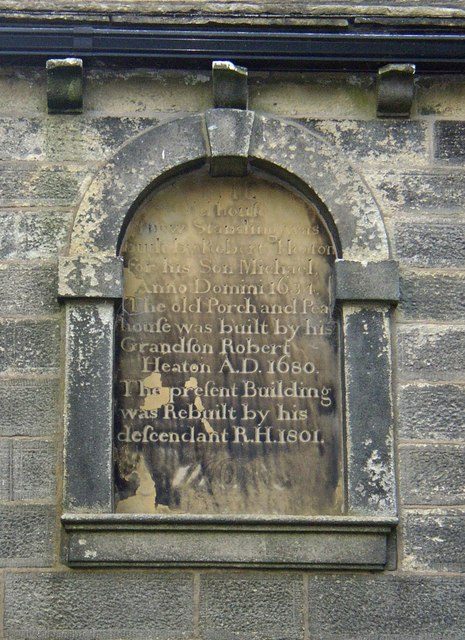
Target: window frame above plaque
x=229 y=141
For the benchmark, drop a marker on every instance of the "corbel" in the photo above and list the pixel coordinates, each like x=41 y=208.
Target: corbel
x=395 y=90
x=64 y=85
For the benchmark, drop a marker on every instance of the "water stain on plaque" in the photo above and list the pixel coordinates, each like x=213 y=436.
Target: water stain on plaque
x=228 y=392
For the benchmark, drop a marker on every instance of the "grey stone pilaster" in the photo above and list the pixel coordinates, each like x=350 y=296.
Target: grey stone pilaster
x=88 y=482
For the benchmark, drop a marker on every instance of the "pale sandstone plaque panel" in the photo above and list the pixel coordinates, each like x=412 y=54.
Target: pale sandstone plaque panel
x=228 y=383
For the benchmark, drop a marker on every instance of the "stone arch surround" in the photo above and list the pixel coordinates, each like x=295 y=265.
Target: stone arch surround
x=90 y=280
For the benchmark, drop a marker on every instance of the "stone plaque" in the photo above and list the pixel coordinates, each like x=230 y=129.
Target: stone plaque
x=228 y=397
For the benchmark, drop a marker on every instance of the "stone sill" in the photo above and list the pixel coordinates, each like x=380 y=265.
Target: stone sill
x=324 y=542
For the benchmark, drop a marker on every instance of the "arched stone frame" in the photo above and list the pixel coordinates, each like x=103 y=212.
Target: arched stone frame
x=366 y=288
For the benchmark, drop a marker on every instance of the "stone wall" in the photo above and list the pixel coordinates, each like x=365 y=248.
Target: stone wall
x=415 y=169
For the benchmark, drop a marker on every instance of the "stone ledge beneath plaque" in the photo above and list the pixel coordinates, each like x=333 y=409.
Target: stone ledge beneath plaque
x=243 y=541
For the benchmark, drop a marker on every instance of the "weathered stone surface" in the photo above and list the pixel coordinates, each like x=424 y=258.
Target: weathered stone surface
x=26 y=536
x=385 y=608
x=371 y=141
x=432 y=296
x=64 y=139
x=27 y=185
x=315 y=95
x=367 y=280
x=306 y=158
x=64 y=85
x=229 y=85
x=8 y=235
x=28 y=289
x=29 y=345
x=128 y=540
x=432 y=474
x=33 y=233
x=395 y=90
x=146 y=93
x=434 y=540
x=431 y=352
x=42 y=234
x=420 y=191
x=441 y=95
x=253 y=10
x=109 y=605
x=118 y=185
x=28 y=407
x=184 y=225
x=262 y=607
x=434 y=412
x=371 y=481
x=94 y=276
x=88 y=409
x=431 y=244
x=229 y=132
x=28 y=469
x=449 y=140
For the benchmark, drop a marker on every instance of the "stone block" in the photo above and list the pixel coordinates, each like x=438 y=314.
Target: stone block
x=125 y=92
x=431 y=352
x=371 y=141
x=21 y=185
x=229 y=85
x=42 y=233
x=26 y=535
x=432 y=474
x=29 y=345
x=89 y=406
x=28 y=469
x=105 y=605
x=64 y=139
x=422 y=191
x=367 y=280
x=229 y=132
x=121 y=540
x=64 y=85
x=432 y=297
x=449 y=140
x=28 y=407
x=431 y=244
x=93 y=276
x=8 y=235
x=432 y=412
x=255 y=606
x=395 y=90
x=116 y=187
x=434 y=540
x=344 y=607
x=370 y=465
x=28 y=289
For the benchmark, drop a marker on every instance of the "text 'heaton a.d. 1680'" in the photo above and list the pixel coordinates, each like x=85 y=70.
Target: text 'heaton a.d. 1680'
x=228 y=375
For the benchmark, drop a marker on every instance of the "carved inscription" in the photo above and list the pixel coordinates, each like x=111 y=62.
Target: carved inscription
x=228 y=375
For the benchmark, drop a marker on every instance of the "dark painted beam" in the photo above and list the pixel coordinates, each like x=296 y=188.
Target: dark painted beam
x=269 y=49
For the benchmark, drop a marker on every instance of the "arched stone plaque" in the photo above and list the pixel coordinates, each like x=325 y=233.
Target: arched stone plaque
x=228 y=393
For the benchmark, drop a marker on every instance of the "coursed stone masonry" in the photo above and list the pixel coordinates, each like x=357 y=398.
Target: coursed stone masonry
x=415 y=171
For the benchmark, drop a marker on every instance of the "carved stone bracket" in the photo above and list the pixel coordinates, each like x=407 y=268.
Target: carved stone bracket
x=64 y=85
x=230 y=89
x=395 y=90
